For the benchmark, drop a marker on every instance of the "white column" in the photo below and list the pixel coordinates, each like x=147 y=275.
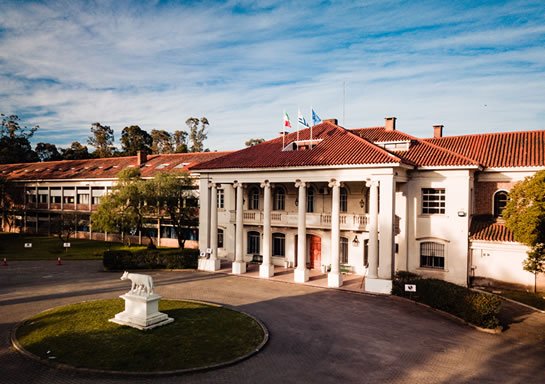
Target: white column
x=266 y=269
x=334 y=278
x=373 y=230
x=386 y=227
x=239 y=265
x=211 y=262
x=301 y=272
x=48 y=198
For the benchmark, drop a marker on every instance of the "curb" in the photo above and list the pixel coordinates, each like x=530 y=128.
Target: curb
x=266 y=335
x=509 y=300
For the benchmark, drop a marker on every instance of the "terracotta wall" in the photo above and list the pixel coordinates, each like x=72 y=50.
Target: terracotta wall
x=484 y=195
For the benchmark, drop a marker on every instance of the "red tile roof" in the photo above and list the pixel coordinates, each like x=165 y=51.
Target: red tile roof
x=338 y=147
x=487 y=229
x=104 y=168
x=420 y=152
x=498 y=150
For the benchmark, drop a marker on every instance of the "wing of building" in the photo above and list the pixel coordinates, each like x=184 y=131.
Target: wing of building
x=40 y=192
x=371 y=201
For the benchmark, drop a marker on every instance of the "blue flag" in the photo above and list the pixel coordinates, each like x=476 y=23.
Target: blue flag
x=301 y=120
x=315 y=118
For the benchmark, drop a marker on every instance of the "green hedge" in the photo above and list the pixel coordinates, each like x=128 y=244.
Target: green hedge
x=150 y=259
x=474 y=307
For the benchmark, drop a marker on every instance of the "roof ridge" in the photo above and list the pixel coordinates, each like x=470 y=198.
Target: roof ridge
x=368 y=142
x=484 y=134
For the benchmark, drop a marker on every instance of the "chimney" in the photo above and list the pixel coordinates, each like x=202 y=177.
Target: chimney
x=141 y=158
x=437 y=131
x=390 y=123
x=333 y=121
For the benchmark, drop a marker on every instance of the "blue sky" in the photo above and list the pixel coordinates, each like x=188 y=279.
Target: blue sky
x=474 y=66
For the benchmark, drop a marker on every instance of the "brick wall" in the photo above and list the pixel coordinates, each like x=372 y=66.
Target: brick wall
x=484 y=195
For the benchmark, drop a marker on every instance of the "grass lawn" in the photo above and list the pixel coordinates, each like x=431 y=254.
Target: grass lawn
x=12 y=247
x=535 y=300
x=80 y=335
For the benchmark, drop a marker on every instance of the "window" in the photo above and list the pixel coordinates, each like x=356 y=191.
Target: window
x=55 y=199
x=68 y=199
x=344 y=200
x=500 y=201
x=344 y=250
x=279 y=199
x=278 y=244
x=254 y=199
x=96 y=200
x=220 y=199
x=253 y=242
x=42 y=199
x=83 y=199
x=433 y=201
x=310 y=200
x=432 y=255
x=220 y=238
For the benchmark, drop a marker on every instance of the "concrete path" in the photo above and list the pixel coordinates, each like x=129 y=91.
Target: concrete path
x=317 y=335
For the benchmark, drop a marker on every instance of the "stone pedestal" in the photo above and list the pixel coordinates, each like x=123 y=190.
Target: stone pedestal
x=210 y=265
x=141 y=312
x=266 y=271
x=334 y=280
x=300 y=275
x=378 y=286
x=239 y=267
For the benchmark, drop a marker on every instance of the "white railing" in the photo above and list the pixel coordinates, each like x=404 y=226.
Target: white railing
x=347 y=221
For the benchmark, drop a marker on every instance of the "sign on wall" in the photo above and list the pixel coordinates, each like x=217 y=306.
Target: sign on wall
x=410 y=287
x=28 y=245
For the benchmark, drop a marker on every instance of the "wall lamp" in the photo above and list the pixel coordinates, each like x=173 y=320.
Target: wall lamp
x=356 y=241
x=362 y=203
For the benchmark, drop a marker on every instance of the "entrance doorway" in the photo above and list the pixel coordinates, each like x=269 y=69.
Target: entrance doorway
x=314 y=251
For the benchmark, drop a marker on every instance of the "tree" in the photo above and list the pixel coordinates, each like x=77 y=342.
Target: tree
x=102 y=139
x=174 y=196
x=8 y=203
x=123 y=210
x=197 y=134
x=76 y=151
x=134 y=139
x=524 y=215
x=161 y=142
x=252 y=142
x=64 y=226
x=47 y=152
x=180 y=141
x=14 y=141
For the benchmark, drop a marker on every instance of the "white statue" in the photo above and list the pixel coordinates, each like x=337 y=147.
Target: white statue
x=142 y=285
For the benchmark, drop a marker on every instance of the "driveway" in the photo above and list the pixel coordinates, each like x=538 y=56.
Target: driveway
x=317 y=335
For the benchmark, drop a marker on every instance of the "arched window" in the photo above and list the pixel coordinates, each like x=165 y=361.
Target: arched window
x=253 y=195
x=343 y=250
x=344 y=200
x=278 y=244
x=279 y=202
x=310 y=199
x=432 y=255
x=253 y=243
x=500 y=201
x=220 y=238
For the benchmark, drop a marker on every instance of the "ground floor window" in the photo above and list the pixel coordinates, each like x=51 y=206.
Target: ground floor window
x=432 y=255
x=220 y=238
x=278 y=244
x=253 y=242
x=344 y=250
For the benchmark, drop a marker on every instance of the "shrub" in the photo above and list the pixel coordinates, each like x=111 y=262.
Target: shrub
x=150 y=259
x=476 y=308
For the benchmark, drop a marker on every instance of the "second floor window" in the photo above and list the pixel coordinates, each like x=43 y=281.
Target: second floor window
x=279 y=199
x=500 y=201
x=310 y=200
x=344 y=200
x=220 y=199
x=433 y=201
x=254 y=199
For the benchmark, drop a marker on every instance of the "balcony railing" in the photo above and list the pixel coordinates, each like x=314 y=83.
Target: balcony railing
x=348 y=221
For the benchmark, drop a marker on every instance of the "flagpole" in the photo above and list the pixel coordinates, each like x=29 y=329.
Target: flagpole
x=283 y=129
x=311 y=126
x=298 y=113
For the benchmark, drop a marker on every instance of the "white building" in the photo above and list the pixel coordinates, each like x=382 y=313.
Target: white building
x=369 y=201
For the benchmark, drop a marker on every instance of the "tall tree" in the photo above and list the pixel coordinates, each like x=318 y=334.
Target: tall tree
x=102 y=139
x=47 y=152
x=76 y=151
x=197 y=133
x=15 y=141
x=134 y=139
x=524 y=214
x=123 y=210
x=161 y=142
x=174 y=196
x=252 y=142
x=180 y=141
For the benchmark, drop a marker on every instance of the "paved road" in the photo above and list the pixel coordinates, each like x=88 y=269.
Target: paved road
x=317 y=335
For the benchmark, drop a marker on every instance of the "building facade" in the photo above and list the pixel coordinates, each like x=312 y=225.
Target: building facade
x=36 y=195
x=370 y=201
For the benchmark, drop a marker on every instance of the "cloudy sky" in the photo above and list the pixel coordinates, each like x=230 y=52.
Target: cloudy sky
x=474 y=66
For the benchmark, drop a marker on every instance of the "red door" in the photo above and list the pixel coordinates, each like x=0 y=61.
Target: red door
x=315 y=252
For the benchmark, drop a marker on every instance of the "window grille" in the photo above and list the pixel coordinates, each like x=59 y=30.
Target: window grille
x=432 y=255
x=433 y=201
